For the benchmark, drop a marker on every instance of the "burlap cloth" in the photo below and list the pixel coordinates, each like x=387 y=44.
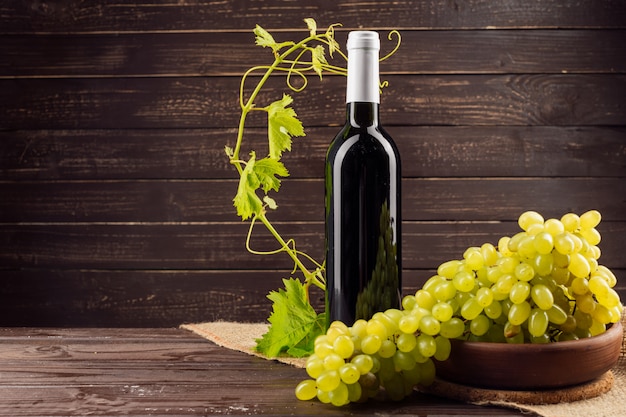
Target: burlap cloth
x=605 y=397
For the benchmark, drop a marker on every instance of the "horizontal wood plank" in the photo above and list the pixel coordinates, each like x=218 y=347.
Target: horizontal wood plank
x=575 y=100
x=103 y=298
x=154 y=298
x=156 y=371
x=426 y=151
x=127 y=16
x=220 y=396
x=221 y=245
x=202 y=54
x=123 y=201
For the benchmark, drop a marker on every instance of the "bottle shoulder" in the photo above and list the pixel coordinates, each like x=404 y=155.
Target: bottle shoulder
x=362 y=137
x=363 y=144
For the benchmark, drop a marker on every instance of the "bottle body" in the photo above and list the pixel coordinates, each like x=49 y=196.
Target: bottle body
x=363 y=214
x=363 y=218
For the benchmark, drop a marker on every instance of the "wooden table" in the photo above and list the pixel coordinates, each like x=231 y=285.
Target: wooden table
x=163 y=372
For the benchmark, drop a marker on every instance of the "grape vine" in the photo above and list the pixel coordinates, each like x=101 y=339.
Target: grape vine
x=261 y=175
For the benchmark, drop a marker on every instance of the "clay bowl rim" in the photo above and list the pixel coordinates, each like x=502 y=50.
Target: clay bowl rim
x=460 y=368
x=543 y=347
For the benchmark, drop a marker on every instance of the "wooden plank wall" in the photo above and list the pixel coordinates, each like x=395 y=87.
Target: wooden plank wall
x=115 y=193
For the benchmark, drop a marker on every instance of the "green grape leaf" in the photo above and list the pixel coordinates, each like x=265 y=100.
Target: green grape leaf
x=306 y=346
x=332 y=43
x=294 y=324
x=270 y=202
x=318 y=59
x=262 y=173
x=246 y=201
x=267 y=170
x=266 y=40
x=282 y=124
x=312 y=25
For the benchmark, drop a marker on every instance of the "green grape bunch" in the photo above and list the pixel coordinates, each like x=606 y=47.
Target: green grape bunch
x=542 y=285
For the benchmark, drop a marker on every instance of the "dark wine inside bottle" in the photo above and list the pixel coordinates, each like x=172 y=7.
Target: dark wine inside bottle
x=363 y=218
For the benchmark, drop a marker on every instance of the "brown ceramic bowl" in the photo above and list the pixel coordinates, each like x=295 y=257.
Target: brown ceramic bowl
x=532 y=366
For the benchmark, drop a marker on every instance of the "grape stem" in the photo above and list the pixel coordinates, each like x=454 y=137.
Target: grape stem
x=299 y=67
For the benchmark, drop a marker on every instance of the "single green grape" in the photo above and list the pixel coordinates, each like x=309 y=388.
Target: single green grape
x=442 y=311
x=452 y=328
x=343 y=346
x=349 y=373
x=489 y=253
x=306 y=390
x=371 y=344
x=377 y=328
x=493 y=310
x=426 y=345
x=480 y=325
x=519 y=292
x=448 y=269
x=430 y=325
x=328 y=380
x=524 y=271
x=464 y=281
x=529 y=218
x=543 y=264
x=444 y=347
x=387 y=349
x=578 y=265
x=571 y=222
x=484 y=296
x=333 y=361
x=471 y=309
x=406 y=342
x=554 y=226
x=403 y=360
x=556 y=314
x=339 y=395
x=543 y=242
x=314 y=366
x=542 y=296
x=409 y=323
x=590 y=219
x=355 y=393
x=364 y=363
x=519 y=313
x=538 y=322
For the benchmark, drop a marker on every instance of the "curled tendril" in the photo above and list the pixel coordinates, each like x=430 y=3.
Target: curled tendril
x=398 y=41
x=301 y=75
x=298 y=72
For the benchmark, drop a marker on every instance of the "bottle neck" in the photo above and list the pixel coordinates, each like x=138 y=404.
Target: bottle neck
x=362 y=114
x=363 y=75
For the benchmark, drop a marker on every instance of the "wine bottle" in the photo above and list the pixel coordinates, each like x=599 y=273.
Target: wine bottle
x=362 y=198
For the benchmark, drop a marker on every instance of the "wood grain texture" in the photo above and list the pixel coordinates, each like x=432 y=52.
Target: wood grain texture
x=116 y=195
x=164 y=371
x=203 y=201
x=129 y=16
x=220 y=245
x=428 y=151
x=202 y=54
x=153 y=298
x=84 y=103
